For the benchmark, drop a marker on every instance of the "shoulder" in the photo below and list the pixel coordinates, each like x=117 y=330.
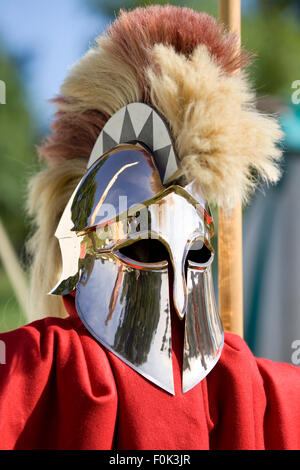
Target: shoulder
x=261 y=380
x=38 y=339
x=62 y=343
x=237 y=355
x=236 y=351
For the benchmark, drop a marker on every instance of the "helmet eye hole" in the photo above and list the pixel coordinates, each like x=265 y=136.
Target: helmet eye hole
x=146 y=251
x=199 y=253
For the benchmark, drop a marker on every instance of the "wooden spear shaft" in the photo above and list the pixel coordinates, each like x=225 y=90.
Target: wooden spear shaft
x=230 y=264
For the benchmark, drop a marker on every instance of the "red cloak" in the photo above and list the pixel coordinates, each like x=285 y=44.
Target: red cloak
x=60 y=389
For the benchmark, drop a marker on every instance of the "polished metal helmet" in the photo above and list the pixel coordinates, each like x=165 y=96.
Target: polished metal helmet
x=135 y=242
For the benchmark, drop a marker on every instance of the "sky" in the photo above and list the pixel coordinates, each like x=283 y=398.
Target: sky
x=48 y=36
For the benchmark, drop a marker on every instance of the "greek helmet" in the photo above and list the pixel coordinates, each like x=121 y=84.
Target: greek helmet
x=166 y=124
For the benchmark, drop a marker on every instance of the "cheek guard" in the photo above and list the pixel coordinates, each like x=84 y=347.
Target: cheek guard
x=135 y=242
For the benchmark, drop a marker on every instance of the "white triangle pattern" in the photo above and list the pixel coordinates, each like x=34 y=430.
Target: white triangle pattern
x=113 y=126
x=97 y=150
x=171 y=166
x=139 y=114
x=161 y=136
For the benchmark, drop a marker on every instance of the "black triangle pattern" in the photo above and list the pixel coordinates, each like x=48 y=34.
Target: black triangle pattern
x=108 y=142
x=127 y=133
x=146 y=134
x=161 y=157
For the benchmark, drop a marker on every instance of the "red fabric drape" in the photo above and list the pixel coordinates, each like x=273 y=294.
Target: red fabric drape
x=60 y=389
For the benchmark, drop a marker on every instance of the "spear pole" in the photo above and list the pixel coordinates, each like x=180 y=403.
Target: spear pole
x=230 y=263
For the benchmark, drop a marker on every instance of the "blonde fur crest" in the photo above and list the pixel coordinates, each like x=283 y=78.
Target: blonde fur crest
x=220 y=137
x=100 y=81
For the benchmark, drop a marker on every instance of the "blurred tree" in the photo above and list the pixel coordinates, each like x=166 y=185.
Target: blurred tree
x=111 y=7
x=266 y=5
x=273 y=34
x=16 y=150
x=18 y=159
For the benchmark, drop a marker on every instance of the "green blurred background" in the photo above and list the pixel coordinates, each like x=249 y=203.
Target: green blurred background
x=40 y=40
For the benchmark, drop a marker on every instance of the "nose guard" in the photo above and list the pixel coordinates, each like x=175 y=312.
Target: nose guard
x=124 y=302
